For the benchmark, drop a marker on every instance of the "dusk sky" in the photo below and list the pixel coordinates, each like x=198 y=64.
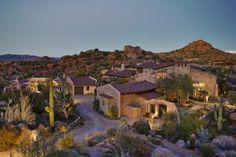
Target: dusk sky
x=64 y=27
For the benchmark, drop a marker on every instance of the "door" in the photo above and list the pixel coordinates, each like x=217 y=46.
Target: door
x=79 y=91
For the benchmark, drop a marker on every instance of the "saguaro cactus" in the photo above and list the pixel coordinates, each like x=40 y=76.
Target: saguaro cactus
x=50 y=108
x=218 y=114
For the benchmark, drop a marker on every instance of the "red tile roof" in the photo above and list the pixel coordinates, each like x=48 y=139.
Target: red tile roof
x=83 y=81
x=106 y=96
x=123 y=73
x=136 y=87
x=149 y=95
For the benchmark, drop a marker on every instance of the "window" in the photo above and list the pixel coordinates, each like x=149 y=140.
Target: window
x=87 y=87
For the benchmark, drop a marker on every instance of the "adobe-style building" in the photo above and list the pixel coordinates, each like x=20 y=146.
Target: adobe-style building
x=81 y=85
x=202 y=79
x=133 y=100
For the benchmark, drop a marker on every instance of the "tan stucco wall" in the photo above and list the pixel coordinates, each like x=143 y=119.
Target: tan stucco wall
x=209 y=80
x=90 y=91
x=111 y=91
x=132 y=112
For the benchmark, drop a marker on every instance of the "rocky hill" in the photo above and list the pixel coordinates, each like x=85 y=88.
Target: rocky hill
x=200 y=51
x=91 y=62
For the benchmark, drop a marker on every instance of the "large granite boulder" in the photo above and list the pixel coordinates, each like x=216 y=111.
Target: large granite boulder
x=225 y=142
x=181 y=143
x=163 y=152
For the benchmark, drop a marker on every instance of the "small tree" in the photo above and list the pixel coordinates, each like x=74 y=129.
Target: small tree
x=177 y=87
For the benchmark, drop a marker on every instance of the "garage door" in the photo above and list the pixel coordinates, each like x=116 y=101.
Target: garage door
x=79 y=91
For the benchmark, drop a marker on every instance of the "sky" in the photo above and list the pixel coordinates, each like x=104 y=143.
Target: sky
x=66 y=27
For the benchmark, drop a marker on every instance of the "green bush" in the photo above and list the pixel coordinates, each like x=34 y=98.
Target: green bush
x=169 y=129
x=112 y=132
x=188 y=125
x=207 y=151
x=142 y=127
x=67 y=142
x=133 y=144
x=113 y=112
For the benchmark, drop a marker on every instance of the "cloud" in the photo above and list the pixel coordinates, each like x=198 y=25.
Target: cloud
x=231 y=51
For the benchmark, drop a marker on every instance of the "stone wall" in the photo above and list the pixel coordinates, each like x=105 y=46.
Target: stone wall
x=209 y=80
x=144 y=76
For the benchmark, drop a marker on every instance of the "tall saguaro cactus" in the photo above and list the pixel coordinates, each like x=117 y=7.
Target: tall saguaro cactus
x=218 y=114
x=50 y=108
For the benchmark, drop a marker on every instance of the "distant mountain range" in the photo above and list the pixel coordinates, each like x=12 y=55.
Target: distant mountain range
x=19 y=57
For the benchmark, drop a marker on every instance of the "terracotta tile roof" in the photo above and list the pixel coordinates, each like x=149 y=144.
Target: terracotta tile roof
x=83 y=81
x=136 y=87
x=123 y=73
x=154 y=66
x=106 y=96
x=149 y=95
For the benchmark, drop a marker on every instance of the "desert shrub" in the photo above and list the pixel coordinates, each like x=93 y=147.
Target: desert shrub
x=133 y=144
x=8 y=136
x=188 y=125
x=30 y=148
x=112 y=132
x=155 y=141
x=207 y=151
x=113 y=112
x=21 y=111
x=169 y=127
x=67 y=142
x=96 y=105
x=142 y=127
x=202 y=135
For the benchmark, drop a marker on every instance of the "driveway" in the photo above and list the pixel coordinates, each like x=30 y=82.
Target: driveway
x=83 y=99
x=94 y=122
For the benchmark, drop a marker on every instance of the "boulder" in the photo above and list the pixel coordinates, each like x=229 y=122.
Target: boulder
x=163 y=152
x=225 y=142
x=181 y=143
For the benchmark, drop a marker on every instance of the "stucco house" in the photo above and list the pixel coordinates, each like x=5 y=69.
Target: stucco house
x=133 y=100
x=81 y=85
x=202 y=79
